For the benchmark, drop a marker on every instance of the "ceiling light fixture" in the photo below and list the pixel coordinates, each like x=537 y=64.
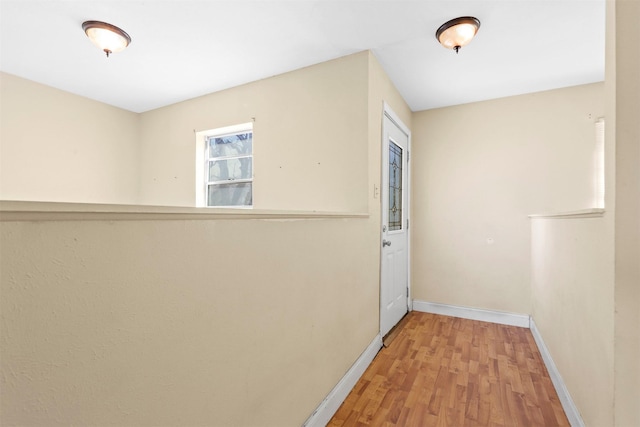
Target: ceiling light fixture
x=107 y=37
x=458 y=32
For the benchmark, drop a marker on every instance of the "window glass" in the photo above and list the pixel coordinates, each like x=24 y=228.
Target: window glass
x=228 y=167
x=231 y=145
x=230 y=195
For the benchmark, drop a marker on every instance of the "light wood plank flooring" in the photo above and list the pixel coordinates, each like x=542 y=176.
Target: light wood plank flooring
x=447 y=371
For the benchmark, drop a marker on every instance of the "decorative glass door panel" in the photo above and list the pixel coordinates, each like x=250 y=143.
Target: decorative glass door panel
x=395 y=186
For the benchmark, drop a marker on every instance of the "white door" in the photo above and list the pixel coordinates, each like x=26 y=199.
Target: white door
x=394 y=284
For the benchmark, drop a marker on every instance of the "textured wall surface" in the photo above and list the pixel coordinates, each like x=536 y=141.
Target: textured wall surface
x=56 y=146
x=192 y=322
x=311 y=142
x=247 y=322
x=572 y=292
x=478 y=171
x=310 y=139
x=627 y=307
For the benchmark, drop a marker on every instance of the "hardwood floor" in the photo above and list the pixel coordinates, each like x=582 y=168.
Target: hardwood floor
x=447 y=371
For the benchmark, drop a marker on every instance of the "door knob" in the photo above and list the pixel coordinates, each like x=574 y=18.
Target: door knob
x=386 y=243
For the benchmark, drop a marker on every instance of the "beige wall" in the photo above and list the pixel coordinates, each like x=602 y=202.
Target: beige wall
x=586 y=272
x=310 y=143
x=226 y=323
x=381 y=90
x=572 y=292
x=626 y=95
x=152 y=322
x=200 y=322
x=56 y=146
x=479 y=170
x=586 y=275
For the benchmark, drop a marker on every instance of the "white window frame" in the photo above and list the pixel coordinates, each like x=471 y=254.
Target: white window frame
x=202 y=161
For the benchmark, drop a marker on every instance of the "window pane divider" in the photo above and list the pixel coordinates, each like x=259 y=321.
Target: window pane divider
x=214 y=159
x=230 y=181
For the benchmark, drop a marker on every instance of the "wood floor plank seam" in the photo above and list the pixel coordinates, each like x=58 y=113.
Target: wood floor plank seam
x=447 y=371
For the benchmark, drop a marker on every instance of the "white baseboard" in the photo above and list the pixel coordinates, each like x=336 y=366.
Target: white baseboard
x=329 y=406
x=569 y=407
x=512 y=319
x=323 y=413
x=503 y=318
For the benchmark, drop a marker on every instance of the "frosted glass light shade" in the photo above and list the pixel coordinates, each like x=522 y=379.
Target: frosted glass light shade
x=107 y=37
x=458 y=32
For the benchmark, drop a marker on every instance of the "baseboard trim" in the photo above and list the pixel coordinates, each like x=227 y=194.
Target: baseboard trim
x=512 y=319
x=503 y=318
x=329 y=406
x=569 y=407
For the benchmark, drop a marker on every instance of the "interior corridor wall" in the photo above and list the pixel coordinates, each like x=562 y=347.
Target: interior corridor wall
x=573 y=298
x=59 y=147
x=310 y=139
x=144 y=322
x=381 y=91
x=478 y=170
x=626 y=96
x=181 y=322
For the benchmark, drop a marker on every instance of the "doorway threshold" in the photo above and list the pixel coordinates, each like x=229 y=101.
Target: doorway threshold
x=393 y=333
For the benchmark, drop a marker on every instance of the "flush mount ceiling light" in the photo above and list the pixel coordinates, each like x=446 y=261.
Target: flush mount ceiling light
x=458 y=32
x=107 y=37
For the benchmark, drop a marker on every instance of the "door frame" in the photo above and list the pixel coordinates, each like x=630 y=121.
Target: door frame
x=391 y=115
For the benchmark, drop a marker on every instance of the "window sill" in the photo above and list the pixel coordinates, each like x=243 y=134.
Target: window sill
x=56 y=211
x=583 y=213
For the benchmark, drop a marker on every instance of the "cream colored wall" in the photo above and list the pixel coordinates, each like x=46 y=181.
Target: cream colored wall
x=310 y=147
x=190 y=322
x=479 y=170
x=586 y=272
x=573 y=298
x=56 y=146
x=225 y=323
x=381 y=90
x=309 y=142
x=626 y=95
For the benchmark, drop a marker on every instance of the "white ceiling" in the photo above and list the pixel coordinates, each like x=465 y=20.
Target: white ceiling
x=186 y=48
